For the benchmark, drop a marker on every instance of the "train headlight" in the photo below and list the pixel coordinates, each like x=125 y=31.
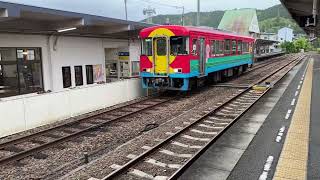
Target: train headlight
x=147 y=70
x=178 y=70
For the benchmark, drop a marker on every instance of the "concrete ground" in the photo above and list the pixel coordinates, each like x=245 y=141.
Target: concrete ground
x=251 y=148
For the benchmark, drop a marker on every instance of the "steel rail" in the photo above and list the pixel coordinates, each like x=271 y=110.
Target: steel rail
x=31 y=151
x=180 y=171
x=142 y=156
x=23 y=138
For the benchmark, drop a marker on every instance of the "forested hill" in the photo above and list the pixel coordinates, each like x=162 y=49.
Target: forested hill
x=270 y=20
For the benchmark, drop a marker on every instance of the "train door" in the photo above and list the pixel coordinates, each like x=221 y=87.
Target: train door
x=160 y=56
x=202 y=56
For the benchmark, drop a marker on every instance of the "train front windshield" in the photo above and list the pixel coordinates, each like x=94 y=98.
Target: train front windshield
x=179 y=45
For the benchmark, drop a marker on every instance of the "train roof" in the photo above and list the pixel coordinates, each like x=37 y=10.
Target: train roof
x=185 y=31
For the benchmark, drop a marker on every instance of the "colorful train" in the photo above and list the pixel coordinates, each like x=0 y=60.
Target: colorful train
x=179 y=58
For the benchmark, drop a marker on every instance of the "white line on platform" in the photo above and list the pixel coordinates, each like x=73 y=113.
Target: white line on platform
x=178 y=127
x=299 y=86
x=296 y=94
x=266 y=168
x=196 y=138
x=185 y=145
x=288 y=114
x=203 y=132
x=293 y=102
x=280 y=134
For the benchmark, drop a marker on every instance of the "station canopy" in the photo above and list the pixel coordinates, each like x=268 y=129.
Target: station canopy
x=17 y=18
x=306 y=14
x=265 y=42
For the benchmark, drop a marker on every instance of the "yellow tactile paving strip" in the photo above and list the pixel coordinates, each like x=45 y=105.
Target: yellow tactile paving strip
x=294 y=155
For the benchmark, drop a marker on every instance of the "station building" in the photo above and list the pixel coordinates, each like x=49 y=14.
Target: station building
x=57 y=64
x=245 y=22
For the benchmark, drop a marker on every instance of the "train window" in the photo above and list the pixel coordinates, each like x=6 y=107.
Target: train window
x=221 y=47
x=239 y=47
x=179 y=45
x=234 y=47
x=213 y=47
x=194 y=46
x=227 y=46
x=146 y=48
x=245 y=47
x=161 y=46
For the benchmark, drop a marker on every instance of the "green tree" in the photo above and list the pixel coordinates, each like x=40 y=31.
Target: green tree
x=297 y=45
x=302 y=43
x=288 y=47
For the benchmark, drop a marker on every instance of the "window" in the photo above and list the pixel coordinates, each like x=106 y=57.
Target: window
x=179 y=45
x=245 y=47
x=194 y=46
x=239 y=47
x=78 y=75
x=66 y=76
x=146 y=47
x=161 y=46
x=227 y=46
x=89 y=74
x=30 y=55
x=221 y=47
x=234 y=47
x=20 y=71
x=212 y=47
x=135 y=68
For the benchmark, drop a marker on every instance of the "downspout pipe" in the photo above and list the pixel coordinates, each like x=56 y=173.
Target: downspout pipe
x=315 y=9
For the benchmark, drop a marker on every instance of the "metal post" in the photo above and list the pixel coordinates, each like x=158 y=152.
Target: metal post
x=126 y=11
x=182 y=17
x=198 y=14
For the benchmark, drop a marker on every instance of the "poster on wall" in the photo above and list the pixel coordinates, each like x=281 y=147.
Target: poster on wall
x=98 y=73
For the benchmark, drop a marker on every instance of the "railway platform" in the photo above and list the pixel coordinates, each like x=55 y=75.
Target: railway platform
x=278 y=138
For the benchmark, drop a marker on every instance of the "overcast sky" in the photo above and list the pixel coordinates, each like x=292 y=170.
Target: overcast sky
x=115 y=8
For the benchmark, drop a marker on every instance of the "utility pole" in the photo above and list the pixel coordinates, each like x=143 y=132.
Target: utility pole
x=182 y=16
x=198 y=14
x=149 y=12
x=126 y=10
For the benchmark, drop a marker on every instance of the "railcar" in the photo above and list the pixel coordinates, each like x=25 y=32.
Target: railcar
x=179 y=57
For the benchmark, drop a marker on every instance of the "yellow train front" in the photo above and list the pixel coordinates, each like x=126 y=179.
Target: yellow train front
x=178 y=57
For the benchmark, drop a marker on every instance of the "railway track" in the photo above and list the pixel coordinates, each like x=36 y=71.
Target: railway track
x=173 y=155
x=61 y=133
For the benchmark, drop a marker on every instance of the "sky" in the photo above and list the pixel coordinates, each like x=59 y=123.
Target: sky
x=115 y=8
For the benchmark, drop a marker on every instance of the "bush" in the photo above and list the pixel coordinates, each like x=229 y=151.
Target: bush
x=297 y=45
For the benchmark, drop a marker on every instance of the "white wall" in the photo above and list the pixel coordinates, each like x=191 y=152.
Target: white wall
x=19 y=113
x=66 y=51
x=29 y=111
x=285 y=34
x=74 y=51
